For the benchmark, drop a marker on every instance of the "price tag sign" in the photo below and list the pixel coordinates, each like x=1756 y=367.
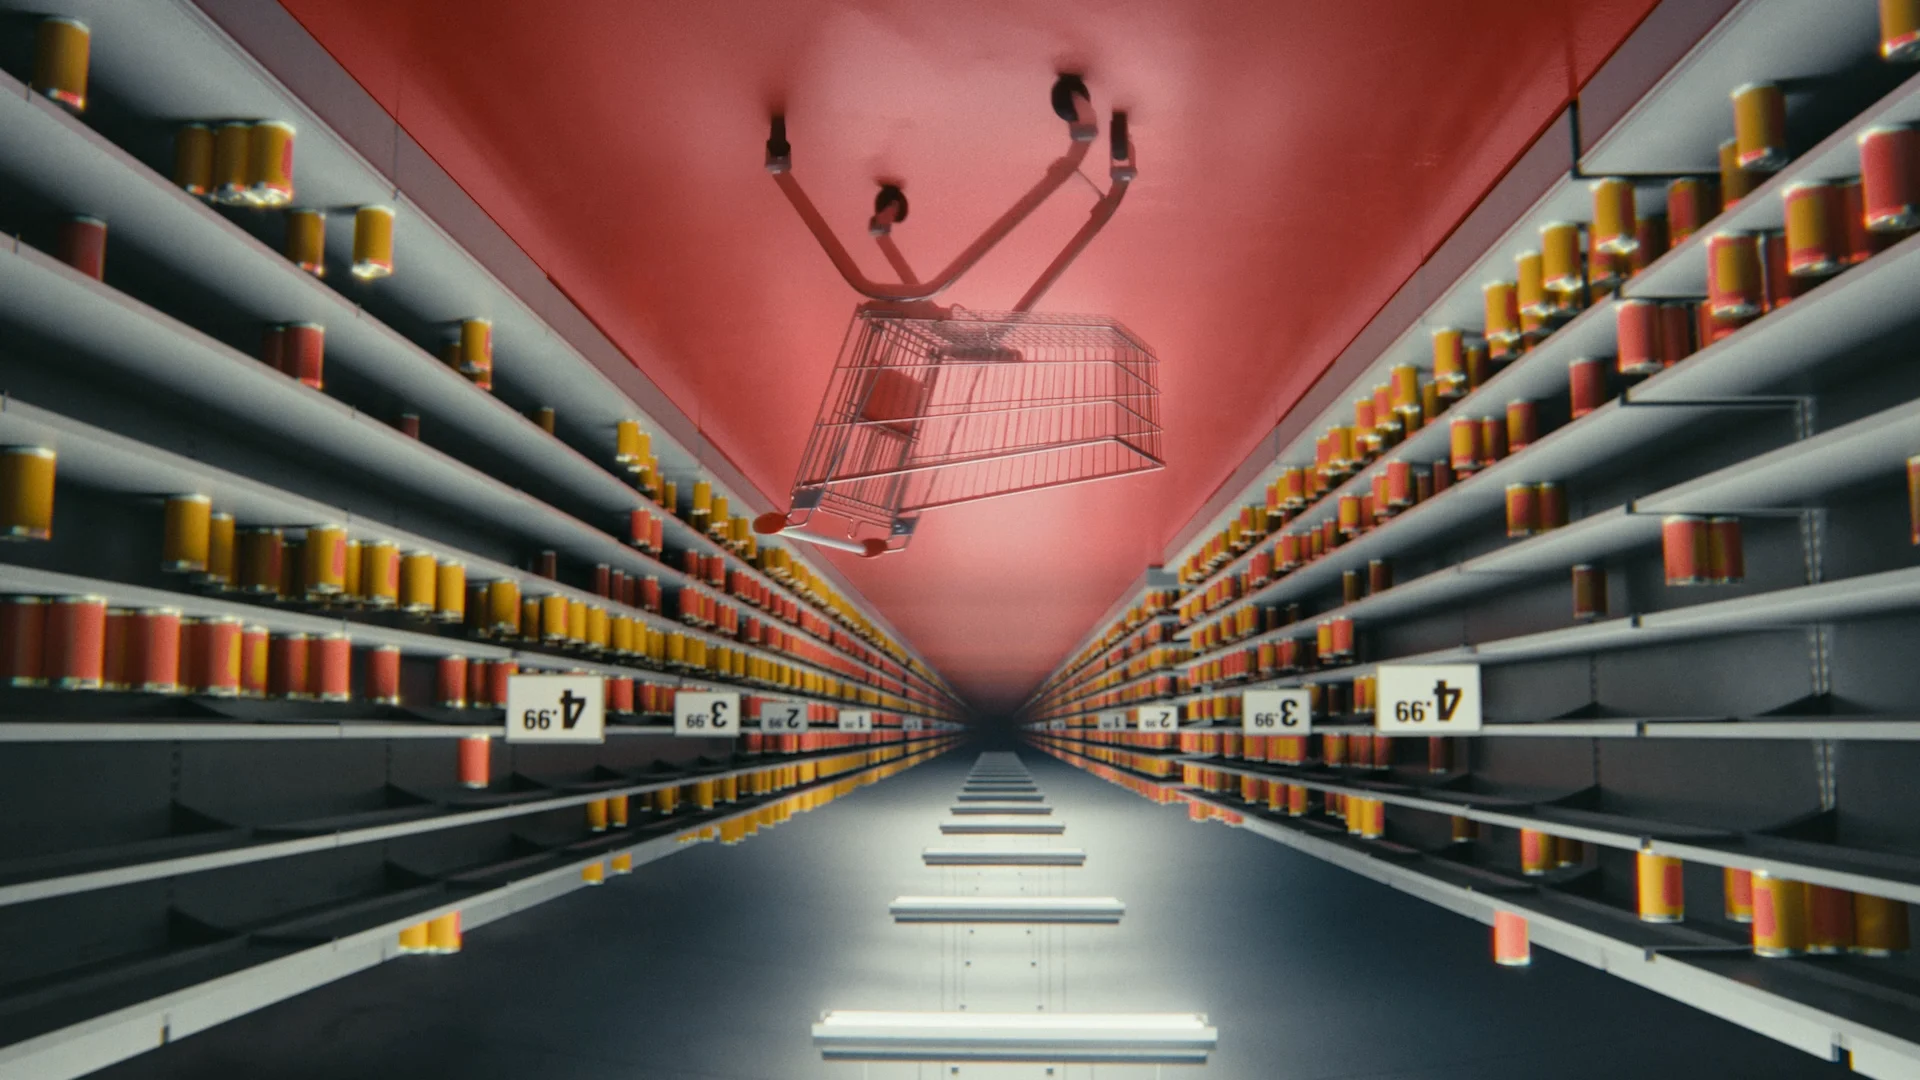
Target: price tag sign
x=1112 y=721
x=856 y=720
x=1056 y=725
x=556 y=708
x=1159 y=717
x=910 y=723
x=706 y=715
x=781 y=717
x=1428 y=699
x=1276 y=712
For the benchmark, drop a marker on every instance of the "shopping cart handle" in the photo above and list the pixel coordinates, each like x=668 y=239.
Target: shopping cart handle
x=774 y=523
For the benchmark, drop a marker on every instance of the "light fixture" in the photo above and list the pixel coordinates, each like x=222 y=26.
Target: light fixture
x=1001 y=796
x=1007 y=909
x=1080 y=1038
x=1001 y=808
x=1004 y=857
x=1002 y=827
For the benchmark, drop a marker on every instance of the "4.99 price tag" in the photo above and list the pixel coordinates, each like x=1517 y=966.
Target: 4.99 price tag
x=1428 y=699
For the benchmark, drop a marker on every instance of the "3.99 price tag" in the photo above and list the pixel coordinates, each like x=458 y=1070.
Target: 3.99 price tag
x=1276 y=712
x=1159 y=717
x=1428 y=699
x=782 y=717
x=706 y=715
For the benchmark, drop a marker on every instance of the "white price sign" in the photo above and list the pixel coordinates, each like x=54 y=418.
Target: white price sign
x=1056 y=725
x=1276 y=712
x=781 y=716
x=1159 y=717
x=1428 y=699
x=856 y=720
x=1112 y=721
x=910 y=723
x=706 y=715
x=556 y=708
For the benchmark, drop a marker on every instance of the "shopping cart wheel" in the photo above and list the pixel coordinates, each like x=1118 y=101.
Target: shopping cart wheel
x=891 y=197
x=1066 y=89
x=875 y=548
x=769 y=523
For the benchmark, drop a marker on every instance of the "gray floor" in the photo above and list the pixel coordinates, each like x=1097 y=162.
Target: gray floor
x=712 y=963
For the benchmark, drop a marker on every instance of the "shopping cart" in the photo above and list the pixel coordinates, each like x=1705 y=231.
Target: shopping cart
x=931 y=407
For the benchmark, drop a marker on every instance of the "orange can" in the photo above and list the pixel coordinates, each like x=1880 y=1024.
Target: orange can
x=417 y=581
x=1523 y=512
x=1662 y=888
x=1536 y=852
x=1684 y=549
x=476 y=347
x=1493 y=439
x=26 y=493
x=1586 y=385
x=218 y=655
x=1589 y=592
x=1530 y=286
x=76 y=642
x=193 y=159
x=289 y=667
x=187 y=533
x=332 y=667
x=325 y=552
x=1737 y=889
x=1760 y=127
x=373 y=242
x=1449 y=362
x=1879 y=926
x=1692 y=201
x=1813 y=248
x=1615 y=220
x=503 y=606
x=1549 y=505
x=1726 y=561
x=1779 y=916
x=154 y=651
x=270 y=164
x=1900 y=30
x=1464 y=436
x=1523 y=425
x=220 y=552
x=255 y=652
x=383 y=675
x=1510 y=945
x=61 y=48
x=307 y=240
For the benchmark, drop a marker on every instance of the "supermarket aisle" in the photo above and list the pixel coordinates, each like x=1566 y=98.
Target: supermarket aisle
x=713 y=964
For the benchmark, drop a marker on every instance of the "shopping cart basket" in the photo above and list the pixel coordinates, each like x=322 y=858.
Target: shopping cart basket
x=931 y=407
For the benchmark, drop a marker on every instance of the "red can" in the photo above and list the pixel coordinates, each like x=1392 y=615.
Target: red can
x=154 y=637
x=1692 y=201
x=620 y=694
x=303 y=353
x=1379 y=575
x=1493 y=440
x=1890 y=179
x=476 y=765
x=333 y=667
x=1399 y=484
x=1829 y=920
x=1550 y=505
x=288 y=667
x=1523 y=425
x=82 y=244
x=1342 y=637
x=498 y=674
x=409 y=425
x=1726 y=562
x=1683 y=549
x=1637 y=332
x=116 y=669
x=480 y=685
x=1677 y=321
x=1442 y=476
x=1587 y=385
x=216 y=657
x=1439 y=757
x=1589 y=592
x=383 y=675
x=76 y=642
x=452 y=683
x=1781 y=286
x=1523 y=512
x=23 y=640
x=1510 y=945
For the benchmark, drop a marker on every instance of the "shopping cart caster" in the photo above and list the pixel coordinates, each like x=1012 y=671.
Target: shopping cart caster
x=1072 y=103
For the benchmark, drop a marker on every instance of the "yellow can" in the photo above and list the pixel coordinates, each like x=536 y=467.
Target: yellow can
x=598 y=631
x=631 y=446
x=307 y=240
x=193 y=159
x=326 y=560
x=576 y=622
x=1530 y=287
x=1779 y=915
x=1760 y=127
x=476 y=347
x=1560 y=267
x=553 y=619
x=1879 y=925
x=270 y=164
x=503 y=606
x=1449 y=362
x=620 y=636
x=232 y=155
x=702 y=503
x=380 y=582
x=443 y=934
x=1661 y=888
x=373 y=242
x=1736 y=183
x=356 y=571
x=419 y=581
x=1502 y=312
x=220 y=552
x=450 y=591
x=413 y=939
x=60 y=53
x=187 y=534
x=1900 y=30
x=26 y=493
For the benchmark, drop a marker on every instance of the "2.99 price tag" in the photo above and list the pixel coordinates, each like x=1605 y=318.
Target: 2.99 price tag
x=782 y=717
x=1276 y=712
x=1158 y=717
x=1428 y=699
x=706 y=715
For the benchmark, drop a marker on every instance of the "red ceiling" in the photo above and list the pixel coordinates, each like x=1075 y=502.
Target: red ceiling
x=1297 y=161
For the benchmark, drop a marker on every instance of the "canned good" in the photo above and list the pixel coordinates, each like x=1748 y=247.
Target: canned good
x=255 y=654
x=450 y=591
x=1650 y=234
x=475 y=766
x=193 y=158
x=232 y=153
x=372 y=242
x=1812 y=239
x=1737 y=890
x=1523 y=425
x=1726 y=562
x=1560 y=257
x=383 y=675
x=1661 y=888
x=1568 y=852
x=23 y=640
x=417 y=582
x=61 y=47
x=1379 y=575
x=553 y=619
x=1760 y=127
x=620 y=694
x=219 y=571
x=1889 y=179
x=1913 y=495
x=82 y=244
x=1692 y=201
x=1342 y=637
x=1493 y=440
x=1449 y=362
x=1615 y=221
x=1536 y=852
x=499 y=672
x=1637 y=332
x=1441 y=473
x=1510 y=945
x=1353 y=587
x=408 y=425
x=1399 y=484
x=153 y=653
x=1779 y=916
x=380 y=580
x=74 y=653
x=217 y=657
x=303 y=349
x=326 y=560
x=530 y=618
x=476 y=347
x=443 y=934
x=1854 y=243
x=451 y=682
x=1522 y=510
x=1586 y=385
x=1780 y=286
x=187 y=533
x=307 y=240
x=1589 y=592
x=545 y=418
x=289 y=667
x=503 y=606
x=1736 y=183
x=1550 y=505
x=1464 y=441
x=1684 y=549
x=1530 y=288
x=1879 y=926
x=1829 y=920
x=1900 y=30
x=1735 y=288
x=270 y=164
x=261 y=551
x=1349 y=515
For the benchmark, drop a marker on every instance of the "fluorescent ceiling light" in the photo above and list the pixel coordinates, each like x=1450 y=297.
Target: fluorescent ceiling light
x=1001 y=796
x=1007 y=826
x=1081 y=1038
x=1000 y=808
x=1007 y=909
x=1001 y=857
